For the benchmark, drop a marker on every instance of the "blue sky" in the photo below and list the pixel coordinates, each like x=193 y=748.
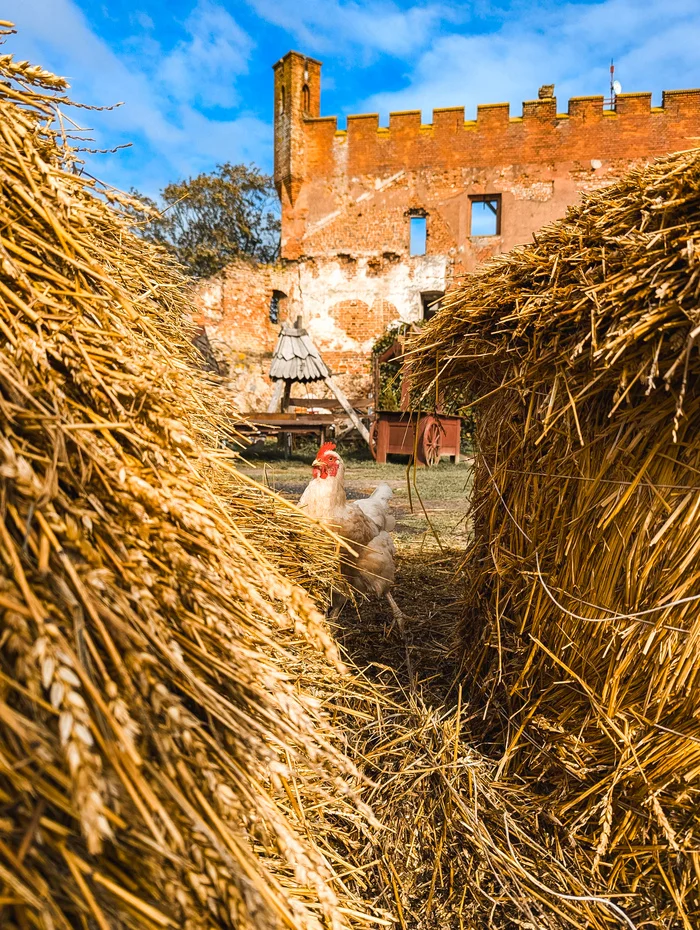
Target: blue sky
x=195 y=75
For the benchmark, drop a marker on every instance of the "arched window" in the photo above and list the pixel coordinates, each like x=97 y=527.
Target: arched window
x=276 y=305
x=305 y=98
x=281 y=101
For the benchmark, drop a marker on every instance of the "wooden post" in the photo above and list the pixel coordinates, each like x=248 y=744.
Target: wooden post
x=286 y=395
x=286 y=436
x=273 y=406
x=376 y=382
x=348 y=408
x=382 y=441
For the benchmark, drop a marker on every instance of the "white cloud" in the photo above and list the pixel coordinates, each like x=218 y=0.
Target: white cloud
x=654 y=46
x=161 y=113
x=376 y=26
x=203 y=66
x=143 y=20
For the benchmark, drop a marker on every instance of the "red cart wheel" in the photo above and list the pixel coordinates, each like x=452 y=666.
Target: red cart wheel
x=373 y=439
x=432 y=444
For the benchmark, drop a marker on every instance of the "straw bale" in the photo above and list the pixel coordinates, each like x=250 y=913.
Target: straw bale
x=582 y=629
x=152 y=748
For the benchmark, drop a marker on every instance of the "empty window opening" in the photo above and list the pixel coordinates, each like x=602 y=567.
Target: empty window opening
x=305 y=98
x=486 y=215
x=276 y=302
x=282 y=100
x=431 y=302
x=418 y=235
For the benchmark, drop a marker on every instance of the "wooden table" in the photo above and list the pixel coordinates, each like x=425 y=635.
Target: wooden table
x=270 y=424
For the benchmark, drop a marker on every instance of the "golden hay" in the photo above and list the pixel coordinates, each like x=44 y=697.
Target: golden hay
x=582 y=625
x=177 y=734
x=150 y=743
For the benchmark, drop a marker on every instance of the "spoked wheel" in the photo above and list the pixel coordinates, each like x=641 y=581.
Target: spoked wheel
x=432 y=444
x=373 y=438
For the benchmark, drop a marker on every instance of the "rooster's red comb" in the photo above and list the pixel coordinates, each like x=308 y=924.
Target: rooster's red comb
x=326 y=447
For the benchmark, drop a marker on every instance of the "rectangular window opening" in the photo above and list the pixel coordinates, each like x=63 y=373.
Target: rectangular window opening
x=486 y=215
x=432 y=302
x=418 y=235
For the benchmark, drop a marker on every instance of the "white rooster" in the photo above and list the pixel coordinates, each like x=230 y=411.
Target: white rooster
x=365 y=524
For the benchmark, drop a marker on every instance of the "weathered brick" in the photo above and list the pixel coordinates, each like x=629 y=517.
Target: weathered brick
x=347 y=197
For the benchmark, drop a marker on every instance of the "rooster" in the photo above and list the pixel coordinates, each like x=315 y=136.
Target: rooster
x=364 y=524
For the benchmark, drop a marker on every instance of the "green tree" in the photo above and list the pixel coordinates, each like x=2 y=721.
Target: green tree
x=209 y=220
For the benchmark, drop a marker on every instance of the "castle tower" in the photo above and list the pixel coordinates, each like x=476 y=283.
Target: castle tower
x=297 y=96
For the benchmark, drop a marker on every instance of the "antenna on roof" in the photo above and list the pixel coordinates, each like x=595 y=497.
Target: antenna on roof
x=615 y=88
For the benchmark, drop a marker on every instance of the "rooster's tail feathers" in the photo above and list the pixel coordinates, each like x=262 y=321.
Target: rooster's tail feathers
x=382 y=493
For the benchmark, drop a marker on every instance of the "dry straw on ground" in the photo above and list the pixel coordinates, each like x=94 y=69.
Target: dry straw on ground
x=149 y=739
x=582 y=629
x=459 y=848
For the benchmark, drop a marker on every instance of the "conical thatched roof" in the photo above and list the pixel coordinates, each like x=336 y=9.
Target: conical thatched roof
x=296 y=358
x=580 y=353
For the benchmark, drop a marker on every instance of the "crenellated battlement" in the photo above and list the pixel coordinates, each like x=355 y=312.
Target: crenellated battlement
x=540 y=134
x=676 y=103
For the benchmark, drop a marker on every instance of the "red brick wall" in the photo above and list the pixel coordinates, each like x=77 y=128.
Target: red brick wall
x=346 y=198
x=353 y=188
x=235 y=305
x=234 y=308
x=360 y=320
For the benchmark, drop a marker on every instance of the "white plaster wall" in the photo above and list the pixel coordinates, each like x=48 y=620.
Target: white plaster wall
x=324 y=283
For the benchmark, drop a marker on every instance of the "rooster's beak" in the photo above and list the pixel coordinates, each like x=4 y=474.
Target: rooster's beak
x=317 y=463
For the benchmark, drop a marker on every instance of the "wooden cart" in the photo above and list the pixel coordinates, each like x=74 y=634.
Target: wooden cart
x=428 y=436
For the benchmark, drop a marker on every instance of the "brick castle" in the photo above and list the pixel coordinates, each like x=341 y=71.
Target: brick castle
x=378 y=221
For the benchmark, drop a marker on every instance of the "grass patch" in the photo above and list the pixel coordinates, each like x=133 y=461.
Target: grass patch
x=428 y=502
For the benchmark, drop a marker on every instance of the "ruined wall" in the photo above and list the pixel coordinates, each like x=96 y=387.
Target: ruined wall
x=234 y=308
x=359 y=185
x=348 y=300
x=347 y=197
